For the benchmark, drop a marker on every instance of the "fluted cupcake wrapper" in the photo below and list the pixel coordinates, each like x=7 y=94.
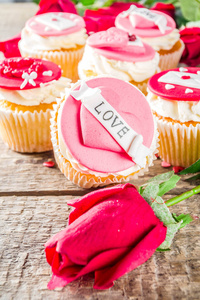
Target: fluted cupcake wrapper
x=90 y=180
x=26 y=131
x=179 y=144
x=68 y=60
x=170 y=60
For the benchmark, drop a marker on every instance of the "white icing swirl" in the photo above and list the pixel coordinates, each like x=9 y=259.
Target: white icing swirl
x=183 y=111
x=31 y=97
x=32 y=41
x=165 y=42
x=124 y=70
x=80 y=168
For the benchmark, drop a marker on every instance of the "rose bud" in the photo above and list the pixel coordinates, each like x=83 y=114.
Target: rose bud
x=111 y=232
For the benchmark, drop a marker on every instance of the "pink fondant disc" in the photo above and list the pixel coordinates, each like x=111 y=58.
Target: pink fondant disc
x=123 y=22
x=128 y=54
x=86 y=138
x=181 y=84
x=117 y=44
x=27 y=73
x=55 y=24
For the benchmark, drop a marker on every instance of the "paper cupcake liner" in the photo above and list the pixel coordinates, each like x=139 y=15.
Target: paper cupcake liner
x=179 y=144
x=26 y=131
x=171 y=60
x=68 y=60
x=89 y=180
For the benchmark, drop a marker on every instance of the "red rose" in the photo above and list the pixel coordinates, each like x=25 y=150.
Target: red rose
x=104 y=18
x=191 y=39
x=168 y=9
x=56 y=6
x=111 y=232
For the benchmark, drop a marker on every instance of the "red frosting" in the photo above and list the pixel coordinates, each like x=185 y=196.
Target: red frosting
x=46 y=28
x=27 y=73
x=181 y=91
x=143 y=27
x=86 y=138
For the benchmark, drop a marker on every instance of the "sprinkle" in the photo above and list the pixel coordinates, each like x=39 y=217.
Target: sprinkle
x=185 y=77
x=49 y=164
x=183 y=69
x=47 y=28
x=177 y=169
x=47 y=73
x=187 y=91
x=165 y=164
x=169 y=86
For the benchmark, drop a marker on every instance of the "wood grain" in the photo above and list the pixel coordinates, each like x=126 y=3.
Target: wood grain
x=28 y=222
x=34 y=206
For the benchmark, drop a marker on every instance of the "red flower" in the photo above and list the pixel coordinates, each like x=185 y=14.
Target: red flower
x=191 y=39
x=168 y=9
x=104 y=18
x=56 y=6
x=111 y=232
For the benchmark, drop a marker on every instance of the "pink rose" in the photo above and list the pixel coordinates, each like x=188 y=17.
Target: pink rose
x=191 y=39
x=111 y=232
x=104 y=18
x=56 y=6
x=168 y=9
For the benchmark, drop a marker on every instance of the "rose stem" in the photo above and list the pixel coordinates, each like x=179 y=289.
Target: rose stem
x=183 y=196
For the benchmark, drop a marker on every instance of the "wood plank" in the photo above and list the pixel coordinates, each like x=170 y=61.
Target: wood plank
x=13 y=17
x=24 y=174
x=28 y=222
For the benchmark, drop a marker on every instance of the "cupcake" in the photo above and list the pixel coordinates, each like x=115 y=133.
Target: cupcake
x=58 y=37
x=114 y=52
x=28 y=90
x=156 y=29
x=103 y=132
x=174 y=97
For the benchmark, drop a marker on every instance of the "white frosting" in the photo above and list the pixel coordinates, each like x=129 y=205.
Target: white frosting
x=80 y=168
x=183 y=111
x=165 y=42
x=31 y=97
x=124 y=70
x=32 y=41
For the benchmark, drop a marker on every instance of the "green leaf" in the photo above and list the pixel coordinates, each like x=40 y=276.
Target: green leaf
x=186 y=219
x=162 y=212
x=171 y=231
x=190 y=9
x=162 y=177
x=168 y=185
x=162 y=250
x=193 y=178
x=150 y=192
x=194 y=168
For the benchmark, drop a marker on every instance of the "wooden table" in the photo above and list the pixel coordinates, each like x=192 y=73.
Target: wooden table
x=34 y=207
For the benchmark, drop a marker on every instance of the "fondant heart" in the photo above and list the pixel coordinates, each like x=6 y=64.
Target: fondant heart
x=94 y=134
x=113 y=37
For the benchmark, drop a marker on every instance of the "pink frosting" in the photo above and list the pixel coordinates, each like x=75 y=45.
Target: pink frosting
x=46 y=24
x=89 y=142
x=143 y=27
x=27 y=73
x=117 y=44
x=179 y=88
